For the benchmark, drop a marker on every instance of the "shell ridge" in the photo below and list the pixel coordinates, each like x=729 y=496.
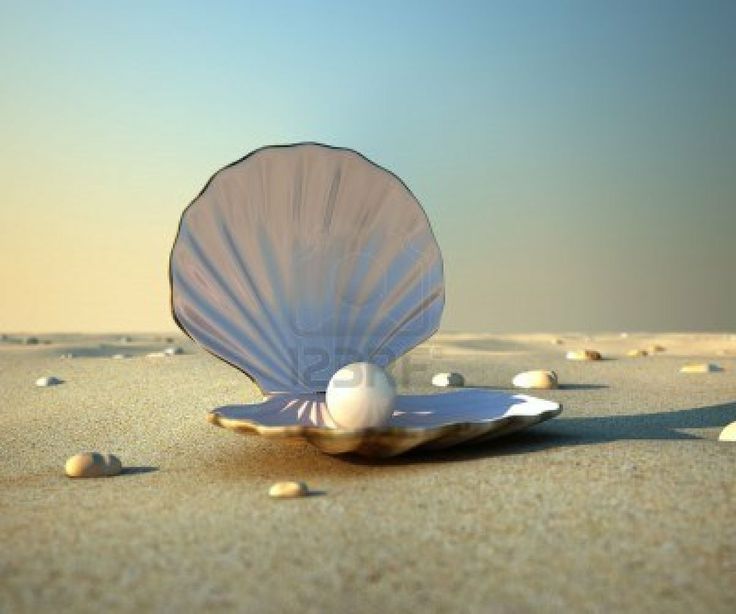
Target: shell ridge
x=223 y=343
x=280 y=299
x=332 y=199
x=370 y=213
x=401 y=292
x=277 y=344
x=424 y=307
x=206 y=305
x=297 y=191
x=362 y=322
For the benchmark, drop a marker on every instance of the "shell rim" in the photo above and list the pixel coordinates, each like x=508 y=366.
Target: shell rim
x=289 y=146
x=246 y=426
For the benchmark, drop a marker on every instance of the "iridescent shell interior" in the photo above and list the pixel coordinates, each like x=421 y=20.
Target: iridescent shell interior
x=298 y=260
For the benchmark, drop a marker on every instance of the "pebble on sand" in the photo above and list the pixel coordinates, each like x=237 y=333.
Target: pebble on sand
x=175 y=351
x=705 y=367
x=120 y=356
x=92 y=465
x=67 y=355
x=557 y=341
x=288 y=490
x=51 y=380
x=637 y=353
x=583 y=355
x=536 y=379
x=728 y=433
x=156 y=355
x=656 y=348
x=444 y=380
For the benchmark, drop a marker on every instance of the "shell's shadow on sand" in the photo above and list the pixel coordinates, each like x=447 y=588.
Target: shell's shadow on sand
x=563 y=432
x=138 y=470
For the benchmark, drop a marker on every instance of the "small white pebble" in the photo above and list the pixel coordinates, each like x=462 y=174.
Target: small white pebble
x=156 y=355
x=444 y=380
x=728 y=433
x=706 y=367
x=536 y=379
x=288 y=490
x=67 y=355
x=583 y=355
x=120 y=356
x=175 y=351
x=43 y=382
x=92 y=465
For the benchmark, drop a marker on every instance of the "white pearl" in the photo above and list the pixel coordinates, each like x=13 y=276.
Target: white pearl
x=360 y=395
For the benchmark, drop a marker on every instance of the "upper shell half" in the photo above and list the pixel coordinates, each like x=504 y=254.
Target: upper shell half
x=299 y=259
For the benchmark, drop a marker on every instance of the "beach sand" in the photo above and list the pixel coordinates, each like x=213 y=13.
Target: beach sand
x=626 y=502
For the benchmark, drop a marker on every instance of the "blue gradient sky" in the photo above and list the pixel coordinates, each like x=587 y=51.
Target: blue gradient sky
x=577 y=159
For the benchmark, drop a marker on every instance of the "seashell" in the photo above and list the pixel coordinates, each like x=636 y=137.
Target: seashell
x=297 y=260
x=445 y=380
x=92 y=465
x=728 y=433
x=583 y=355
x=421 y=421
x=360 y=395
x=637 y=353
x=173 y=351
x=706 y=367
x=536 y=379
x=43 y=382
x=288 y=490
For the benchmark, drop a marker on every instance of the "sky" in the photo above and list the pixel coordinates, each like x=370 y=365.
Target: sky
x=577 y=159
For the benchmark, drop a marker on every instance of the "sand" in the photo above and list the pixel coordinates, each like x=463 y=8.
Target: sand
x=626 y=502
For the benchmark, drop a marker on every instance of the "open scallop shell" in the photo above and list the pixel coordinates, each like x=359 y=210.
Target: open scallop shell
x=432 y=421
x=297 y=260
